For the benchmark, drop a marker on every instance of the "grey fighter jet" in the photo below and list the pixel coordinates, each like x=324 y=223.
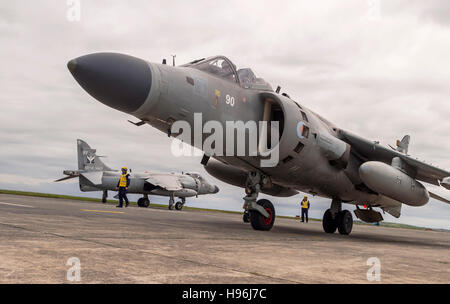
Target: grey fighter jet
x=94 y=175
x=314 y=155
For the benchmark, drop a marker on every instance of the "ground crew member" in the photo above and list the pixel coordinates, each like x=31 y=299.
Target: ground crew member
x=122 y=186
x=305 y=208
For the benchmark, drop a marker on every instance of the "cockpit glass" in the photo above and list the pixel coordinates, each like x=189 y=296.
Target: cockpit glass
x=223 y=68
x=219 y=67
x=246 y=77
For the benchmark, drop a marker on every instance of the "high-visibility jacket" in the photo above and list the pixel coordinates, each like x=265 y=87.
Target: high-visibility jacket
x=305 y=204
x=124 y=181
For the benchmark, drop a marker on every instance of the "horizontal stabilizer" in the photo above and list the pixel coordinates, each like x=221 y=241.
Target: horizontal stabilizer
x=65 y=178
x=70 y=174
x=95 y=177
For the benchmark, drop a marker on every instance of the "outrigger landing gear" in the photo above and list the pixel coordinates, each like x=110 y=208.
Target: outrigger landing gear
x=105 y=196
x=143 y=202
x=171 y=202
x=246 y=217
x=179 y=205
x=261 y=213
x=336 y=218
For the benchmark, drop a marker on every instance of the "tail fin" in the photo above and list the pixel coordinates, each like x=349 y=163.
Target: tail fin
x=87 y=159
x=402 y=146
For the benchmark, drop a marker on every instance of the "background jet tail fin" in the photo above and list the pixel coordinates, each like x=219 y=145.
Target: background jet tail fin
x=402 y=145
x=446 y=183
x=87 y=159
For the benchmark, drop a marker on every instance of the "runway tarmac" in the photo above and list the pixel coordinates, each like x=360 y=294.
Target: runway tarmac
x=135 y=245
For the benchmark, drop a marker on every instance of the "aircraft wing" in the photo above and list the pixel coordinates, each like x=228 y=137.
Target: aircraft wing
x=166 y=181
x=372 y=151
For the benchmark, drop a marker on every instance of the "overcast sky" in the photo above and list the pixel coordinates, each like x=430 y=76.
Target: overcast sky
x=378 y=68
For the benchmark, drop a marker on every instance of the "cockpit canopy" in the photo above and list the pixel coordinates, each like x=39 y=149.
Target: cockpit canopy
x=195 y=175
x=222 y=67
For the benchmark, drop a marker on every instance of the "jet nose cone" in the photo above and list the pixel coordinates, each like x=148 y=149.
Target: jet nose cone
x=216 y=189
x=120 y=81
x=71 y=65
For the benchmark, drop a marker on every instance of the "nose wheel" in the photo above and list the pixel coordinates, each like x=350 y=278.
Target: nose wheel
x=246 y=217
x=259 y=221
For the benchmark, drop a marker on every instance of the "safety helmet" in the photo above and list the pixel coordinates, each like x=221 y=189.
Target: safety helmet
x=124 y=168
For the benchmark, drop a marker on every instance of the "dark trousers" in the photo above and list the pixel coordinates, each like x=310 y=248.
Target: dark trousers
x=304 y=214
x=123 y=196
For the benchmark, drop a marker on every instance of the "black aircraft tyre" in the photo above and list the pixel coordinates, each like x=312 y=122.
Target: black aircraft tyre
x=328 y=223
x=178 y=206
x=139 y=202
x=145 y=203
x=345 y=222
x=246 y=217
x=259 y=221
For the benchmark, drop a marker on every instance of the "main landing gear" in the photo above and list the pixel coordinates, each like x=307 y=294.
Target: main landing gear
x=143 y=202
x=261 y=213
x=171 y=202
x=105 y=196
x=336 y=218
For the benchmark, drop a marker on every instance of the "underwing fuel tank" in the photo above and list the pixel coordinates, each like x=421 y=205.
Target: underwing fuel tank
x=393 y=183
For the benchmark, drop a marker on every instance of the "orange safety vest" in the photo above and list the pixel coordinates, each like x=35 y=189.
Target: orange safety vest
x=123 y=180
x=305 y=204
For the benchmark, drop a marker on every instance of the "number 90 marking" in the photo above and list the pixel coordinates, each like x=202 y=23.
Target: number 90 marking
x=229 y=100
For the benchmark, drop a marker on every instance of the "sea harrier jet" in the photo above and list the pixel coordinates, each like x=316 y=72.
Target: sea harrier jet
x=94 y=175
x=311 y=154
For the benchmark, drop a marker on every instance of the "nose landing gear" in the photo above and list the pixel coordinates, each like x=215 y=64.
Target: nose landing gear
x=259 y=221
x=261 y=213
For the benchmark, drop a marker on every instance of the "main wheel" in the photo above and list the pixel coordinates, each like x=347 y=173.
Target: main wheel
x=140 y=202
x=179 y=206
x=345 y=222
x=145 y=202
x=246 y=217
x=259 y=221
x=328 y=223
